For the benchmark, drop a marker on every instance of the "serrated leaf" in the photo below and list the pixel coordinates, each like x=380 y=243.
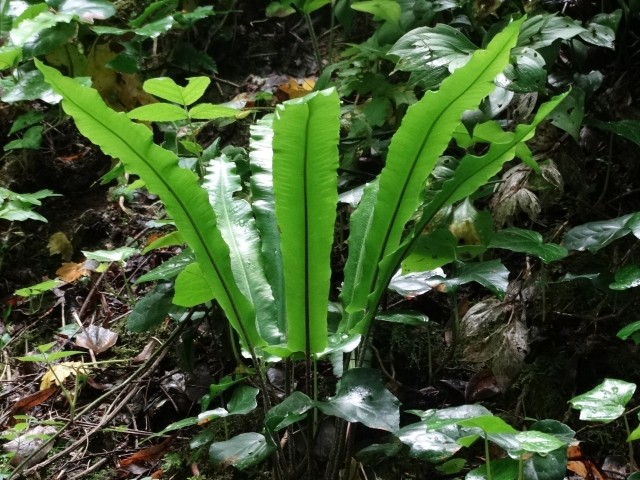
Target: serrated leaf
x=527 y=241
x=605 y=402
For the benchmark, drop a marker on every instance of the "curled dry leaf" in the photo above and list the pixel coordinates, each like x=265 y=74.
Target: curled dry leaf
x=96 y=338
x=58 y=373
x=33 y=400
x=146 y=352
x=150 y=454
x=70 y=272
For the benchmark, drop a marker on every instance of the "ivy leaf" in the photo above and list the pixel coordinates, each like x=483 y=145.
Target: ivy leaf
x=604 y=403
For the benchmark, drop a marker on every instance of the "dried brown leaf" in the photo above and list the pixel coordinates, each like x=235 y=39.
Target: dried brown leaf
x=96 y=338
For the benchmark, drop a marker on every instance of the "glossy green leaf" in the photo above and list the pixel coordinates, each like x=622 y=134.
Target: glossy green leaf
x=169 y=269
x=239 y=231
x=158 y=112
x=432 y=446
x=539 y=442
x=46 y=357
x=594 y=236
x=544 y=29
x=192 y=287
x=605 y=402
x=492 y=275
x=627 y=277
x=242 y=451
x=152 y=309
x=209 y=111
x=292 y=409
x=88 y=10
x=243 y=400
x=9 y=55
x=171 y=239
x=49 y=39
x=305 y=161
x=555 y=428
x=378 y=453
x=570 y=113
x=629 y=129
x=550 y=466
x=501 y=469
x=488 y=424
x=156 y=28
x=632 y=330
x=184 y=200
x=527 y=241
x=29 y=29
x=527 y=73
x=634 y=435
x=25 y=120
x=263 y=206
x=30 y=86
x=416 y=283
x=167 y=89
x=415 y=148
x=363 y=398
x=388 y=10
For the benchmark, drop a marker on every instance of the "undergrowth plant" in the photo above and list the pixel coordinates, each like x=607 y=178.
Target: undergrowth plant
x=266 y=259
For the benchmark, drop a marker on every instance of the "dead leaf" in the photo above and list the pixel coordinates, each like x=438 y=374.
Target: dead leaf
x=96 y=338
x=481 y=386
x=149 y=454
x=146 y=352
x=58 y=373
x=60 y=244
x=297 y=88
x=32 y=441
x=33 y=400
x=70 y=272
x=579 y=464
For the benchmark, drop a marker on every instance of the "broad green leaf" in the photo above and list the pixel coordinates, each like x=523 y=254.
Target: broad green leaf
x=156 y=28
x=388 y=10
x=209 y=111
x=30 y=86
x=550 y=466
x=605 y=402
x=363 y=398
x=167 y=89
x=305 y=161
x=9 y=55
x=242 y=451
x=629 y=129
x=594 y=236
x=192 y=287
x=184 y=200
x=88 y=10
x=501 y=469
x=488 y=424
x=292 y=409
x=544 y=29
x=415 y=148
x=539 y=442
x=39 y=288
x=433 y=250
x=263 y=206
x=627 y=277
x=555 y=428
x=570 y=113
x=158 y=112
x=169 y=269
x=25 y=120
x=416 y=283
x=601 y=30
x=238 y=229
x=152 y=309
x=115 y=255
x=432 y=446
x=49 y=39
x=635 y=434
x=527 y=73
x=377 y=453
x=28 y=30
x=527 y=241
x=243 y=400
x=492 y=275
x=431 y=53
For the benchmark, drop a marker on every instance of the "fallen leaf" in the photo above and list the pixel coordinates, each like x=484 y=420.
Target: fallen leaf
x=149 y=454
x=70 y=272
x=31 y=442
x=297 y=88
x=579 y=464
x=58 y=373
x=146 y=352
x=60 y=244
x=33 y=400
x=96 y=338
